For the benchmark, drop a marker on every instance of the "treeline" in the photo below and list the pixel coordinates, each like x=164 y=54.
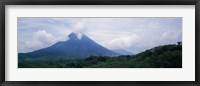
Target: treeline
x=167 y=56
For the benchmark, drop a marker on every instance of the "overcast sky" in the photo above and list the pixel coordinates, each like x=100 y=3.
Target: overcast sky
x=132 y=34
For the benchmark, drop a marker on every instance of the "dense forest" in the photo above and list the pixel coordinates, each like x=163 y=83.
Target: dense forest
x=166 y=56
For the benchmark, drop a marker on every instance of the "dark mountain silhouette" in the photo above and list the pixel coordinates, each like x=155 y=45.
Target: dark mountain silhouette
x=78 y=46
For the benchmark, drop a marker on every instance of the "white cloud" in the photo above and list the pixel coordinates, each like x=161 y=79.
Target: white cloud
x=40 y=39
x=79 y=25
x=122 y=42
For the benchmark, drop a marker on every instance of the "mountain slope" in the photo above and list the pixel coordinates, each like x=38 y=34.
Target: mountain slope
x=78 y=46
x=122 y=52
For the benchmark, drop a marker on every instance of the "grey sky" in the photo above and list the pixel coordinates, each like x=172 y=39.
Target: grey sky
x=131 y=34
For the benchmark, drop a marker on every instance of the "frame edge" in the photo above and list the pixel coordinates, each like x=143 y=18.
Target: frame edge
x=2 y=46
x=2 y=43
x=197 y=46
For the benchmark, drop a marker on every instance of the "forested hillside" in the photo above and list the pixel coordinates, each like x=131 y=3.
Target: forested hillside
x=167 y=56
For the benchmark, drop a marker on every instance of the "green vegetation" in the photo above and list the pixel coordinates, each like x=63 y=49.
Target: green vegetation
x=167 y=56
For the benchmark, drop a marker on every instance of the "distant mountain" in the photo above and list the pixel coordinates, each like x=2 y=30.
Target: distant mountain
x=78 y=46
x=123 y=52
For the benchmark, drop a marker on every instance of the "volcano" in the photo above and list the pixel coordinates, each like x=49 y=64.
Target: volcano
x=78 y=46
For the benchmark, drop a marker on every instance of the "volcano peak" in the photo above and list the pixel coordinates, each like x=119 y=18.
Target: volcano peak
x=75 y=35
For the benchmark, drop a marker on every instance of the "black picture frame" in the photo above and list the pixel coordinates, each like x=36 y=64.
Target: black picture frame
x=99 y=2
